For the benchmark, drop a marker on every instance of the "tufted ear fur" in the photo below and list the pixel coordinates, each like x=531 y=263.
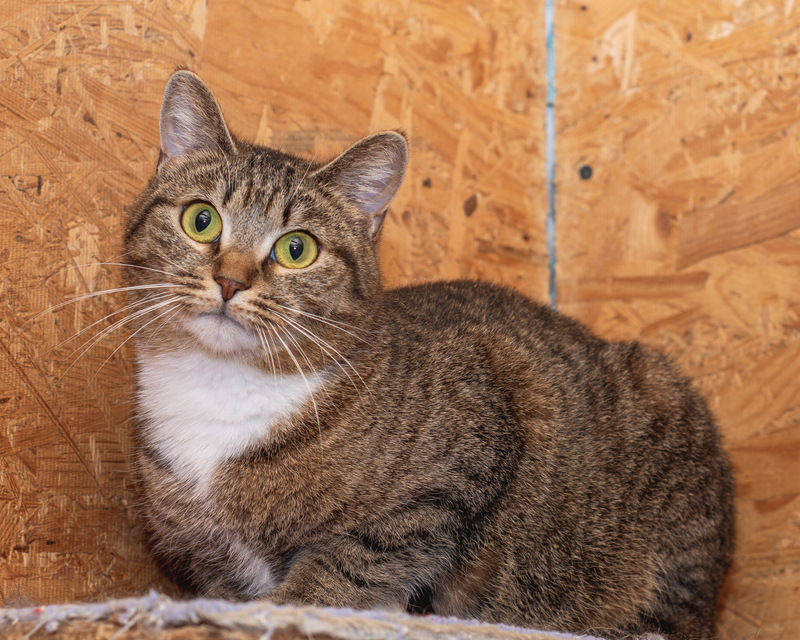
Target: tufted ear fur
x=191 y=119
x=369 y=174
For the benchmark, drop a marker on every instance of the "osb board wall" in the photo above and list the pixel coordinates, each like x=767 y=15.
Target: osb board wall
x=80 y=86
x=78 y=98
x=465 y=82
x=683 y=235
x=686 y=235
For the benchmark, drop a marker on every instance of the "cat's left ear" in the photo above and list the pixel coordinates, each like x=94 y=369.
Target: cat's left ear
x=191 y=119
x=369 y=174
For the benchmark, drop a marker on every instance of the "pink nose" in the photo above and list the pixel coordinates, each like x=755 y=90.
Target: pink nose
x=229 y=287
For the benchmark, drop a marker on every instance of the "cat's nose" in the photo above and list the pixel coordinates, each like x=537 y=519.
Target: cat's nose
x=229 y=287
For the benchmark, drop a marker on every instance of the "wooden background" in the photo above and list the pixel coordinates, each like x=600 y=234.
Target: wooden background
x=684 y=235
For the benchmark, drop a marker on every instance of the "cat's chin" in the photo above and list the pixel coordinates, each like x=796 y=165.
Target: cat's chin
x=222 y=335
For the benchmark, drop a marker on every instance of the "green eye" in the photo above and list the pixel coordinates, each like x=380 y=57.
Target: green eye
x=295 y=250
x=201 y=222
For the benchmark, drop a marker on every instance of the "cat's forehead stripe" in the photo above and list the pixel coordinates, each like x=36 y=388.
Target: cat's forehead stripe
x=291 y=190
x=287 y=212
x=262 y=184
x=270 y=200
x=230 y=188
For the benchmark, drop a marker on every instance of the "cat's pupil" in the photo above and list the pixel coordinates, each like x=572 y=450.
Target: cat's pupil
x=202 y=220
x=296 y=247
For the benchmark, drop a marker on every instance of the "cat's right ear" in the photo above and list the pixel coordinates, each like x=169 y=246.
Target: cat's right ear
x=369 y=174
x=191 y=119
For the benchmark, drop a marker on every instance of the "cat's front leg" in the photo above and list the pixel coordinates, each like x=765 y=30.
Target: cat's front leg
x=354 y=572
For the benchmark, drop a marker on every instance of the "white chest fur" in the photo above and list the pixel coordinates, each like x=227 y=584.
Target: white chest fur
x=201 y=411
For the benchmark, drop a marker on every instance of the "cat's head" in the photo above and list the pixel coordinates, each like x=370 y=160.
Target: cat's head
x=239 y=248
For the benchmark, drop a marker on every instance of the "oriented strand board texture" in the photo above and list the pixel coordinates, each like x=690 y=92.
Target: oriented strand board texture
x=80 y=86
x=465 y=81
x=686 y=235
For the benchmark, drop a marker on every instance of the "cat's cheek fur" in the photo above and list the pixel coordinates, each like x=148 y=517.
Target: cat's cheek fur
x=200 y=411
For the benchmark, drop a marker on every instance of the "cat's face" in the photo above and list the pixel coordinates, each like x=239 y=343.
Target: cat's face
x=242 y=250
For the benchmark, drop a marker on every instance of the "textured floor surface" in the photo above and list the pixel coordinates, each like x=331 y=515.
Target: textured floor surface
x=157 y=616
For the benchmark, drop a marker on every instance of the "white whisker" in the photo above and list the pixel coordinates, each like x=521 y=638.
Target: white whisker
x=146 y=324
x=173 y=264
x=268 y=348
x=177 y=311
x=231 y=180
x=112 y=264
x=143 y=268
x=305 y=380
x=327 y=348
x=116 y=325
x=94 y=294
x=308 y=166
x=138 y=303
x=302 y=352
x=328 y=321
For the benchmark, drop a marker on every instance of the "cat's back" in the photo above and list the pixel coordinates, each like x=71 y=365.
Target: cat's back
x=525 y=340
x=619 y=401
x=471 y=319
x=478 y=306
x=467 y=324
x=599 y=414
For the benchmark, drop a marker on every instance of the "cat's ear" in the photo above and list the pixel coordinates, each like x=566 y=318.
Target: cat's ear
x=191 y=118
x=369 y=174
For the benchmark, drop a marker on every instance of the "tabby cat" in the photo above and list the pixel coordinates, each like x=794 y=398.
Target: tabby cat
x=306 y=436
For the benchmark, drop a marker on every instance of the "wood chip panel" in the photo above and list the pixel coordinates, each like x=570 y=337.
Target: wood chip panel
x=686 y=235
x=79 y=91
x=677 y=220
x=464 y=81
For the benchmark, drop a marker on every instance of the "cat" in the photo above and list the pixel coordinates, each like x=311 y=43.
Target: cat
x=305 y=436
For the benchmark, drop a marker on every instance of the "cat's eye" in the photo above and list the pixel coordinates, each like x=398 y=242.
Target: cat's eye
x=295 y=250
x=201 y=222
